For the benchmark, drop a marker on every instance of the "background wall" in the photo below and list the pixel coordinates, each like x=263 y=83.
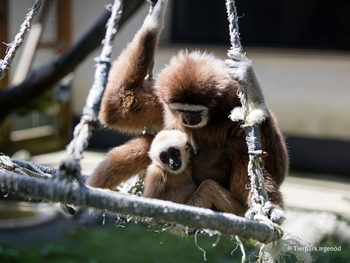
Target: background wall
x=306 y=86
x=307 y=89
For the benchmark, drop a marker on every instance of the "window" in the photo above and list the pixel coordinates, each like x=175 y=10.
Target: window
x=271 y=23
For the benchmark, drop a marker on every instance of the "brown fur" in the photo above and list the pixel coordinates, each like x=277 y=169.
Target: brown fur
x=164 y=185
x=122 y=162
x=128 y=103
x=211 y=194
x=220 y=169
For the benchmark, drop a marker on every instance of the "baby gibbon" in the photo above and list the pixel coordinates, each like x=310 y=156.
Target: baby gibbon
x=169 y=177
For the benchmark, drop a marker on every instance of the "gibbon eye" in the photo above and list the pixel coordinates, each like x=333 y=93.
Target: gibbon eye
x=164 y=157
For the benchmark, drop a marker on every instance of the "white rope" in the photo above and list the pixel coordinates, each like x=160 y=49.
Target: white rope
x=19 y=38
x=241 y=246
x=269 y=251
x=233 y=26
x=150 y=70
x=70 y=167
x=6 y=164
x=259 y=196
x=201 y=249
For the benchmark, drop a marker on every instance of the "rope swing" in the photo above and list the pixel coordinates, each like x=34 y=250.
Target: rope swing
x=67 y=185
x=249 y=101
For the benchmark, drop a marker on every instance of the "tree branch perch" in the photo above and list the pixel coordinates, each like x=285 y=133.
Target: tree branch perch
x=161 y=211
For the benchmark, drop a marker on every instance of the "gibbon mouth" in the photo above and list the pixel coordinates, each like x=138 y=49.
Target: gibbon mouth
x=174 y=165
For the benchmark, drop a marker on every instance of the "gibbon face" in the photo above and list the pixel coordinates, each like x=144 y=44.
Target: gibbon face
x=190 y=115
x=190 y=87
x=172 y=158
x=170 y=150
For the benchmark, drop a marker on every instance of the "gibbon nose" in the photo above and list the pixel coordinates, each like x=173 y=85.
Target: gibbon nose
x=191 y=118
x=174 y=164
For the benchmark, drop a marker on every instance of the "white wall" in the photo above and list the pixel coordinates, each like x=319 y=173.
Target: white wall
x=308 y=91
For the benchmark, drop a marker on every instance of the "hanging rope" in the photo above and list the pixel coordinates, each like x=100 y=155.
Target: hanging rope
x=233 y=26
x=253 y=112
x=70 y=167
x=259 y=196
x=251 y=98
x=150 y=70
x=19 y=38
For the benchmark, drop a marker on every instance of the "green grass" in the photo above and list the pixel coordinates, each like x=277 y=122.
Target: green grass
x=133 y=243
x=333 y=256
x=137 y=243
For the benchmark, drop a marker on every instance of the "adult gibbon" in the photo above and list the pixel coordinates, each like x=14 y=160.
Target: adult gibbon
x=194 y=94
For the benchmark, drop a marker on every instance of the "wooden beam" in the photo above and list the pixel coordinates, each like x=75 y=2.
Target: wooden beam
x=64 y=16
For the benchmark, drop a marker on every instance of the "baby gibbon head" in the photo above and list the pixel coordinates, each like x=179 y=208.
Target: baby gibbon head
x=170 y=150
x=192 y=86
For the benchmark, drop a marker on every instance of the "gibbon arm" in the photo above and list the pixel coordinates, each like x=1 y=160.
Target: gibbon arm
x=122 y=163
x=155 y=186
x=129 y=103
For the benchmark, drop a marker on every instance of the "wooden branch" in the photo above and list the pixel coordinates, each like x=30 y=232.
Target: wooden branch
x=44 y=77
x=160 y=211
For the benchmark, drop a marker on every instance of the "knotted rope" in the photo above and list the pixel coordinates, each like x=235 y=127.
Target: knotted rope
x=25 y=168
x=19 y=38
x=70 y=167
x=28 y=168
x=259 y=198
x=259 y=195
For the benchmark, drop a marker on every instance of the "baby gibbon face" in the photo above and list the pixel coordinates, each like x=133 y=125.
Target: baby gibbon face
x=172 y=158
x=170 y=150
